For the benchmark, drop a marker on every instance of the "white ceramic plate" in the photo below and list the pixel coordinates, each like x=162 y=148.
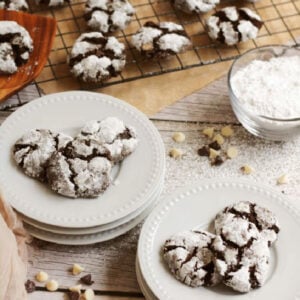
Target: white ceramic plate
x=138 y=176
x=97 y=229
x=195 y=207
x=87 y=239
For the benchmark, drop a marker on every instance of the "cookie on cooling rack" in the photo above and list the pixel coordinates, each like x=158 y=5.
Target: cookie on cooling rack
x=237 y=217
x=52 y=3
x=78 y=177
x=232 y=25
x=96 y=58
x=243 y=268
x=190 y=259
x=160 y=40
x=15 y=46
x=109 y=138
x=14 y=5
x=195 y=6
x=108 y=15
x=33 y=150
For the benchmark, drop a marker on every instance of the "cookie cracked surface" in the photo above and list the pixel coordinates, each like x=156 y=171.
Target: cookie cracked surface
x=96 y=58
x=14 y=5
x=232 y=25
x=195 y=6
x=108 y=15
x=160 y=40
x=15 y=46
x=190 y=259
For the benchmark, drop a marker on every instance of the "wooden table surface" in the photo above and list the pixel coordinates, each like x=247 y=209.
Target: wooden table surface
x=112 y=263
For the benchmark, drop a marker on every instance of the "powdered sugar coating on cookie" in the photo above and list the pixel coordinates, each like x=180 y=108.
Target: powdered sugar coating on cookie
x=195 y=6
x=232 y=25
x=15 y=46
x=108 y=15
x=13 y=4
x=190 y=259
x=34 y=149
x=52 y=3
x=160 y=40
x=77 y=177
x=96 y=58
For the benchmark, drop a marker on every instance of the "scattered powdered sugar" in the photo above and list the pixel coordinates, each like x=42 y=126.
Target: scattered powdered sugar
x=270 y=88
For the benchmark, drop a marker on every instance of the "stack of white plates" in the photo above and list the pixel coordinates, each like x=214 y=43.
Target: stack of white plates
x=195 y=208
x=137 y=181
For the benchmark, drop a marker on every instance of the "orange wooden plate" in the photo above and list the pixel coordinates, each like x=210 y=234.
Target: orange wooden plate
x=42 y=31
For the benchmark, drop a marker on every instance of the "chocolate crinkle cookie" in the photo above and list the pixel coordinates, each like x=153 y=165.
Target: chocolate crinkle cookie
x=14 y=5
x=15 y=46
x=52 y=3
x=189 y=257
x=108 y=15
x=160 y=40
x=195 y=6
x=34 y=149
x=96 y=58
x=232 y=25
x=110 y=138
x=245 y=214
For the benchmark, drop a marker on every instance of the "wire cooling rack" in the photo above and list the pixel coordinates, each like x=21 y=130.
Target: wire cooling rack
x=281 y=24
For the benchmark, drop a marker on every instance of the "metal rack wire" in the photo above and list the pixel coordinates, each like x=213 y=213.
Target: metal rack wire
x=281 y=21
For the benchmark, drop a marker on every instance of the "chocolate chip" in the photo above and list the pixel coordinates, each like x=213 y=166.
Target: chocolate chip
x=217 y=161
x=204 y=151
x=29 y=286
x=87 y=279
x=214 y=145
x=73 y=295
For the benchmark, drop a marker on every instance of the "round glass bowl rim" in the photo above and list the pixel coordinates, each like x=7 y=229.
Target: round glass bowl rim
x=260 y=49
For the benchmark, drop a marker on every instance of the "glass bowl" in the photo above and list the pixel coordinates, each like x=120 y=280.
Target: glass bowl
x=259 y=125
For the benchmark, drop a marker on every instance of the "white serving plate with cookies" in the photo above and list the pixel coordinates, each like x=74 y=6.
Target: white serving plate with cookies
x=195 y=208
x=138 y=176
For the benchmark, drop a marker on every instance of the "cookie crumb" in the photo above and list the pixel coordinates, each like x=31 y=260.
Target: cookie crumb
x=76 y=288
x=247 y=170
x=176 y=153
x=77 y=269
x=87 y=279
x=89 y=294
x=29 y=286
x=214 y=145
x=227 y=131
x=204 y=151
x=217 y=161
x=219 y=139
x=52 y=285
x=283 y=179
x=232 y=152
x=73 y=295
x=178 y=137
x=213 y=153
x=41 y=276
x=209 y=132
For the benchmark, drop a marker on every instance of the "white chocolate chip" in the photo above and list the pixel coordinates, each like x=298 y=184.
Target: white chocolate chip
x=41 y=276
x=219 y=139
x=89 y=294
x=178 y=137
x=213 y=153
x=176 y=153
x=209 y=132
x=76 y=288
x=232 y=152
x=246 y=169
x=227 y=131
x=77 y=269
x=283 y=179
x=52 y=285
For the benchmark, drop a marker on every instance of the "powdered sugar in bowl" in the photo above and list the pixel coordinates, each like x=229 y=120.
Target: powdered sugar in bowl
x=264 y=90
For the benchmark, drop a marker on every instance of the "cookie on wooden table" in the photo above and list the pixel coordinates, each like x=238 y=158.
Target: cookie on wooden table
x=110 y=138
x=15 y=46
x=195 y=6
x=190 y=259
x=52 y=3
x=108 y=15
x=33 y=150
x=96 y=58
x=160 y=40
x=232 y=25
x=14 y=5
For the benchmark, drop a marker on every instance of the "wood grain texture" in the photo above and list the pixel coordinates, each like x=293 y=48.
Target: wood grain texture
x=42 y=31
